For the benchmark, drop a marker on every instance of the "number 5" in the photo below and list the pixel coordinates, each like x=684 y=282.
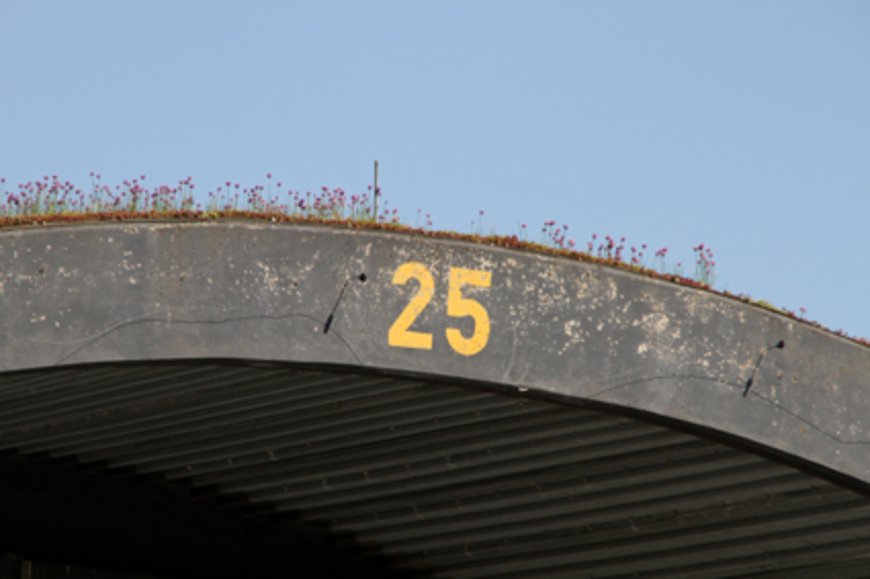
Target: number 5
x=460 y=307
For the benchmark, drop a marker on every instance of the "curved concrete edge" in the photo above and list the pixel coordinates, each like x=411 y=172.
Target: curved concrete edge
x=319 y=295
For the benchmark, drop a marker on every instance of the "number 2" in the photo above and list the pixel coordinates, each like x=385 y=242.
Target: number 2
x=399 y=334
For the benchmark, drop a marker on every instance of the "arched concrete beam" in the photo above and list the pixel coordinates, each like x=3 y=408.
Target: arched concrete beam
x=312 y=294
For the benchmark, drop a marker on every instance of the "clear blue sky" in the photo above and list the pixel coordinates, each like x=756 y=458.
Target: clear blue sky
x=744 y=125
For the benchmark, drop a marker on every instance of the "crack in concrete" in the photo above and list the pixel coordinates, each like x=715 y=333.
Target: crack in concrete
x=216 y=321
x=739 y=386
x=361 y=277
x=780 y=345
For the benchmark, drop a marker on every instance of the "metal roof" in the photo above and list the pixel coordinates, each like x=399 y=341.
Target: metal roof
x=449 y=479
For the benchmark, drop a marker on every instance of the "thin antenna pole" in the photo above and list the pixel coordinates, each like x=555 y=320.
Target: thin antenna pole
x=376 y=191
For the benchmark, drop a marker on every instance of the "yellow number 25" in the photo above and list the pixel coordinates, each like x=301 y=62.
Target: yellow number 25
x=401 y=336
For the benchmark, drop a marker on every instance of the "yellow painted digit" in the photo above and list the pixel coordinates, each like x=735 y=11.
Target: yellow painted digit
x=459 y=307
x=400 y=335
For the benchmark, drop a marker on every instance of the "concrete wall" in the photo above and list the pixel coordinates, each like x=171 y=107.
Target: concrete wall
x=312 y=294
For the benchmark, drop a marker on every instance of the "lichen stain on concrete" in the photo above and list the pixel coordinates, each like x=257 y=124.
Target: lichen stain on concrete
x=591 y=293
x=126 y=265
x=656 y=323
x=582 y=285
x=690 y=302
x=269 y=277
x=574 y=332
x=612 y=290
x=510 y=265
x=554 y=295
x=486 y=263
x=63 y=272
x=530 y=289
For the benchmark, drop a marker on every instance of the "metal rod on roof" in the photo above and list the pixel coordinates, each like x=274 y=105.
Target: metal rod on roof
x=376 y=191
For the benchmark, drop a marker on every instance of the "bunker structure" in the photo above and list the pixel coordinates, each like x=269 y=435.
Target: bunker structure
x=256 y=399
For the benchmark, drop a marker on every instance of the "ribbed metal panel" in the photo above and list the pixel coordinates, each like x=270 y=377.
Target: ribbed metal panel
x=461 y=481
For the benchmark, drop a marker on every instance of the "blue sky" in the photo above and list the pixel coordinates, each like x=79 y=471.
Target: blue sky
x=742 y=125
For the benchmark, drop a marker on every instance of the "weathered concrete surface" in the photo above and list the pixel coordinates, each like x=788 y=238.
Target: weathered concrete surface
x=311 y=294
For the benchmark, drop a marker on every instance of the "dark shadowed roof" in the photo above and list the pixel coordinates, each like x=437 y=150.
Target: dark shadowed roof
x=455 y=480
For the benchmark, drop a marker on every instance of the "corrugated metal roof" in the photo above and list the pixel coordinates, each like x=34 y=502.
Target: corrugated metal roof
x=457 y=480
